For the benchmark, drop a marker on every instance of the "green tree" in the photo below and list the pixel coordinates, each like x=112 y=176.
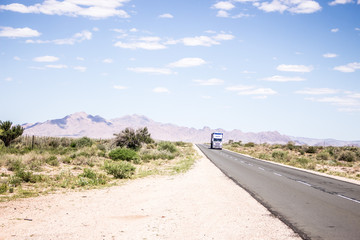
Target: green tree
x=133 y=139
x=8 y=133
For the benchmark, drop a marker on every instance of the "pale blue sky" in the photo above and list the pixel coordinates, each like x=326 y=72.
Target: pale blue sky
x=291 y=66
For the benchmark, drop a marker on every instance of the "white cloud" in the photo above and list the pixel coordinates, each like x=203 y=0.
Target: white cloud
x=46 y=59
x=147 y=43
x=16 y=58
x=294 y=68
x=336 y=2
x=334 y=30
x=223 y=37
x=317 y=91
x=210 y=82
x=258 y=91
x=133 y=30
x=166 y=15
x=278 y=78
x=119 y=87
x=293 y=6
x=330 y=55
x=94 y=9
x=18 y=32
x=161 y=90
x=350 y=67
x=76 y=38
x=205 y=41
x=80 y=68
x=188 y=62
x=151 y=70
x=199 y=41
x=57 y=66
x=224 y=5
x=346 y=101
x=242 y=15
x=222 y=13
x=8 y=79
x=108 y=60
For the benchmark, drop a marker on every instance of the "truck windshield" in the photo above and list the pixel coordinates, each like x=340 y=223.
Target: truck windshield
x=217 y=139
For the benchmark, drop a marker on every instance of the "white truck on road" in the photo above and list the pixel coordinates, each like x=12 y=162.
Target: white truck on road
x=216 y=140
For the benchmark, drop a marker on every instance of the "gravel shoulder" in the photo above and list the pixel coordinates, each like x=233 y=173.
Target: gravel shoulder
x=200 y=204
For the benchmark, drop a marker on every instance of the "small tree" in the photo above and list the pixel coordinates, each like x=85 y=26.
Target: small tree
x=9 y=133
x=133 y=139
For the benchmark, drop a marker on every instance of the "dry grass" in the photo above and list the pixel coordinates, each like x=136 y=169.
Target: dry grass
x=338 y=161
x=63 y=164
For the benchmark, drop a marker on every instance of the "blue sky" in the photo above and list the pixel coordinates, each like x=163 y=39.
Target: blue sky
x=291 y=66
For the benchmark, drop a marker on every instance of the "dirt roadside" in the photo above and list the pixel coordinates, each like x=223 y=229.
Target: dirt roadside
x=200 y=204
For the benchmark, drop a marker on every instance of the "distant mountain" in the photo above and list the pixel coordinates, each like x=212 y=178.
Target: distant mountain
x=82 y=124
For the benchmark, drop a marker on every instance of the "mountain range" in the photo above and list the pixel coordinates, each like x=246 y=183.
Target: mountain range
x=82 y=124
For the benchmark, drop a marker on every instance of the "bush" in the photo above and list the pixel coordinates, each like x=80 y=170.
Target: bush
x=167 y=146
x=249 y=144
x=3 y=188
x=53 y=161
x=311 y=149
x=125 y=154
x=15 y=165
x=279 y=155
x=323 y=156
x=84 y=142
x=89 y=177
x=347 y=156
x=133 y=139
x=119 y=169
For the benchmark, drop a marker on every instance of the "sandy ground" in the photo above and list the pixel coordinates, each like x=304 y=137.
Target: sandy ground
x=200 y=204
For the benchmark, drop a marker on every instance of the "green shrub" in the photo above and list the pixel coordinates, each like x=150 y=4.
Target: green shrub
x=53 y=161
x=302 y=161
x=279 y=155
x=133 y=139
x=323 y=156
x=125 y=154
x=249 y=144
x=167 y=146
x=181 y=144
x=15 y=181
x=310 y=149
x=14 y=165
x=119 y=169
x=66 y=160
x=347 y=156
x=90 y=177
x=84 y=142
x=3 y=188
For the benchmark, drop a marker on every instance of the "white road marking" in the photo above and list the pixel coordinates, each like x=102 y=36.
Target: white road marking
x=305 y=183
x=261 y=168
x=277 y=174
x=348 y=198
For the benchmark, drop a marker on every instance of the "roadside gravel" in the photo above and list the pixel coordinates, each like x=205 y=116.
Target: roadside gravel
x=200 y=204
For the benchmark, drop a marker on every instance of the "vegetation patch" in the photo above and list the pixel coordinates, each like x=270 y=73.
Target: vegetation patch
x=339 y=161
x=31 y=166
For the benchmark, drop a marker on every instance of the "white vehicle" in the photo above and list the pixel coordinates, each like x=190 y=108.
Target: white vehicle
x=216 y=141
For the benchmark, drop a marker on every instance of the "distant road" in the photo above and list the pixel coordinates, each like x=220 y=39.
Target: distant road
x=314 y=206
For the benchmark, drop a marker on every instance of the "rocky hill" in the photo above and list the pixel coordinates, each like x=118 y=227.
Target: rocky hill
x=82 y=124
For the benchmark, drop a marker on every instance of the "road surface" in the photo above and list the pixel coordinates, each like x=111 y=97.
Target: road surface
x=314 y=206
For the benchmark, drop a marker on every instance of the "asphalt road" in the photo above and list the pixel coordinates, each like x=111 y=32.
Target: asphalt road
x=314 y=206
